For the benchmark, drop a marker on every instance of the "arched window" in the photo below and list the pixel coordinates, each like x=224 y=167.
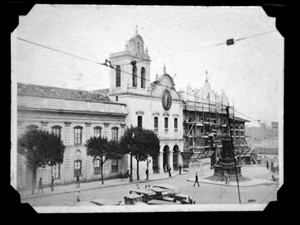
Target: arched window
x=56 y=130
x=175 y=125
x=77 y=168
x=156 y=124
x=134 y=75
x=114 y=165
x=140 y=121
x=55 y=171
x=77 y=135
x=97 y=131
x=166 y=124
x=97 y=168
x=138 y=47
x=114 y=133
x=143 y=77
x=118 y=76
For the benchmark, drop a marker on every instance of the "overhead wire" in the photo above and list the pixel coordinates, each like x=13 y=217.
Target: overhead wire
x=145 y=59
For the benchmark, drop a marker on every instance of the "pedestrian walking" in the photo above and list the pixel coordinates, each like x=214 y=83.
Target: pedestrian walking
x=165 y=167
x=179 y=168
x=77 y=181
x=127 y=173
x=147 y=174
x=41 y=186
x=169 y=170
x=267 y=164
x=78 y=196
x=52 y=184
x=226 y=178
x=196 y=180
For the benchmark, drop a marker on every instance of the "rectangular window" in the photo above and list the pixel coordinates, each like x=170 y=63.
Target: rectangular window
x=155 y=124
x=114 y=165
x=56 y=130
x=55 y=171
x=77 y=167
x=77 y=135
x=97 y=131
x=175 y=125
x=97 y=166
x=114 y=134
x=166 y=124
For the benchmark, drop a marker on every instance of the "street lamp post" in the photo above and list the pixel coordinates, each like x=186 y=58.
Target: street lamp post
x=131 y=179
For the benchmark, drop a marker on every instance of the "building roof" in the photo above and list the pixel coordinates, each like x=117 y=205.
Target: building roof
x=238 y=119
x=60 y=93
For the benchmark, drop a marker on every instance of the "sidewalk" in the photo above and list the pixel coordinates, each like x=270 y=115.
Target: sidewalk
x=257 y=175
x=61 y=189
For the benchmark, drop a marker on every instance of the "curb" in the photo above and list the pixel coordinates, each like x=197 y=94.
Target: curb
x=92 y=188
x=231 y=185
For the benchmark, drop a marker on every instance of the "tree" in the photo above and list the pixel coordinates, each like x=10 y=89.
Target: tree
x=104 y=149
x=41 y=148
x=139 y=143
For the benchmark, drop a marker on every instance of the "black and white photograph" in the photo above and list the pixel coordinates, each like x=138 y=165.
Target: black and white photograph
x=146 y=108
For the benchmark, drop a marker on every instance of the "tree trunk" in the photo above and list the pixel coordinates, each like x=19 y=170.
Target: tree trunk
x=102 y=179
x=137 y=170
x=33 y=180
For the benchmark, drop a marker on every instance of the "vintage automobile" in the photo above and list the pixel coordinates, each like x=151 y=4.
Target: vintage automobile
x=174 y=193
x=146 y=194
x=161 y=193
x=133 y=199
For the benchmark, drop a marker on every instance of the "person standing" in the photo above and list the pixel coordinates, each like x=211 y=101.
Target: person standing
x=52 y=183
x=267 y=164
x=41 y=186
x=179 y=168
x=147 y=174
x=169 y=170
x=77 y=181
x=226 y=178
x=196 y=180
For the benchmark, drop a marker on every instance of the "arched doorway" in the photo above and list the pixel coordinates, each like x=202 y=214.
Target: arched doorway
x=175 y=157
x=166 y=152
x=155 y=162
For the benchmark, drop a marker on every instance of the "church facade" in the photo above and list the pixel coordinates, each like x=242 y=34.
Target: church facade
x=156 y=106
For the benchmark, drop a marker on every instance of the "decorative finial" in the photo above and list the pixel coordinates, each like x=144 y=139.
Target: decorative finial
x=146 y=49
x=156 y=78
x=165 y=70
x=206 y=76
x=136 y=30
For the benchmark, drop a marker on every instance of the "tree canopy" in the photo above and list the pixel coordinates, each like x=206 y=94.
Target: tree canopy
x=140 y=142
x=41 y=148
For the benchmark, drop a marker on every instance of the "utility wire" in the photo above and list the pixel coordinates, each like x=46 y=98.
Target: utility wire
x=110 y=66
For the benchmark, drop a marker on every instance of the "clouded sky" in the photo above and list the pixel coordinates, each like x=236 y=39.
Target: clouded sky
x=182 y=38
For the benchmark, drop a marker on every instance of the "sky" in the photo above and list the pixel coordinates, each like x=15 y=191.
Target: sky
x=183 y=38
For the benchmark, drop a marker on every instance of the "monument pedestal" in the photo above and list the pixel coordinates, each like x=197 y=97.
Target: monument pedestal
x=226 y=162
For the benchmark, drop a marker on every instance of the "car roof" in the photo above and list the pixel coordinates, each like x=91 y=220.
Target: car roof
x=157 y=189
x=143 y=191
x=166 y=186
x=132 y=196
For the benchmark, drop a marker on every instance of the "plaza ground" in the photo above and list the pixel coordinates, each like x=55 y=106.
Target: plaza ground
x=261 y=189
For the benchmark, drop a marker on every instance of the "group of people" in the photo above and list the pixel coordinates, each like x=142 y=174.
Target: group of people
x=41 y=185
x=41 y=189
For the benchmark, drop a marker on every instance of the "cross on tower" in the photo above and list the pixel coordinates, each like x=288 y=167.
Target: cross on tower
x=206 y=76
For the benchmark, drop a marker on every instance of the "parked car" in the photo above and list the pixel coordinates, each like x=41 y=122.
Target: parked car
x=146 y=194
x=161 y=193
x=174 y=193
x=133 y=199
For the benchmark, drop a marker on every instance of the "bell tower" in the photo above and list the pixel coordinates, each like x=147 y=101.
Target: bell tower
x=131 y=73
